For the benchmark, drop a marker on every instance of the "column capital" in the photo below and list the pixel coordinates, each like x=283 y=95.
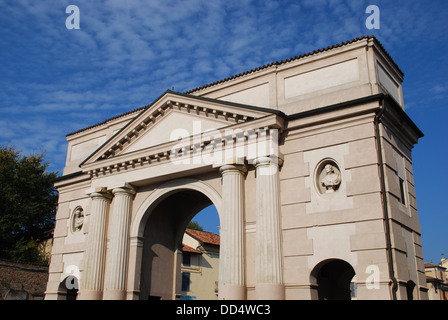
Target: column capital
x=99 y=193
x=240 y=168
x=126 y=188
x=267 y=160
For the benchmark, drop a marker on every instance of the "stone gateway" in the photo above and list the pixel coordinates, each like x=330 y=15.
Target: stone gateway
x=307 y=161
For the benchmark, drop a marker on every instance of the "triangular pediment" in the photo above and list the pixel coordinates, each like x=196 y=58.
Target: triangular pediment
x=176 y=123
x=171 y=116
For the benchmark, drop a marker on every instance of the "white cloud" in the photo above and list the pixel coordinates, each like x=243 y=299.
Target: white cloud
x=128 y=52
x=440 y=88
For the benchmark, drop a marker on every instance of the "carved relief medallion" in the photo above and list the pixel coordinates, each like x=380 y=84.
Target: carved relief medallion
x=77 y=220
x=328 y=177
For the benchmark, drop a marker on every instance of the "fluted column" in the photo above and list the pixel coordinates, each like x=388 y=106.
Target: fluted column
x=93 y=276
x=231 y=263
x=117 y=262
x=268 y=250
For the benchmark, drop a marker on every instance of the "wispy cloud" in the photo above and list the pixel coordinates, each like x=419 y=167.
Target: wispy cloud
x=128 y=52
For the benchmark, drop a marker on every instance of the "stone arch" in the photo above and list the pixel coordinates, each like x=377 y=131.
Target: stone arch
x=410 y=290
x=148 y=214
x=331 y=279
x=68 y=288
x=163 y=191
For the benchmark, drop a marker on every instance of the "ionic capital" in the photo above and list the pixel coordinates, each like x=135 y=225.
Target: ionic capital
x=268 y=160
x=227 y=168
x=99 y=193
x=125 y=189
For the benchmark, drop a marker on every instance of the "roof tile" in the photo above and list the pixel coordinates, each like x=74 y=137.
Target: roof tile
x=204 y=236
x=186 y=248
x=275 y=63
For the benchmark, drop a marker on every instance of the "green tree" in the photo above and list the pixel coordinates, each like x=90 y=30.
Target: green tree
x=194 y=225
x=28 y=202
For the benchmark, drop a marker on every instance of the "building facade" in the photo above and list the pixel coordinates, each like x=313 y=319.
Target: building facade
x=307 y=161
x=200 y=265
x=437 y=280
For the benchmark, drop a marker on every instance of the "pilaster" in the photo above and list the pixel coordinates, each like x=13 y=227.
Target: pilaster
x=268 y=249
x=117 y=259
x=93 y=276
x=231 y=276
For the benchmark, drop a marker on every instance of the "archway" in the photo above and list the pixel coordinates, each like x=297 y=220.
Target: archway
x=186 y=196
x=200 y=257
x=410 y=286
x=68 y=288
x=156 y=236
x=333 y=278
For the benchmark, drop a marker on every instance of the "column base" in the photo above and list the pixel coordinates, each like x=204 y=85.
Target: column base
x=269 y=291
x=232 y=292
x=90 y=295
x=51 y=296
x=114 y=295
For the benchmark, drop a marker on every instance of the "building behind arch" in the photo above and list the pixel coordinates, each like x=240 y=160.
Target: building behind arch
x=200 y=265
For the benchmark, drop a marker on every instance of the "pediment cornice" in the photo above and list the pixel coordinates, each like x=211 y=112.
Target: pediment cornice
x=235 y=121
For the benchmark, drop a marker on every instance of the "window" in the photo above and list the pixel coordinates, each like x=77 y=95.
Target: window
x=185 y=281
x=186 y=259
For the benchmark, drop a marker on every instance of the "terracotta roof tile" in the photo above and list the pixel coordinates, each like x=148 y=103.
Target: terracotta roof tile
x=277 y=63
x=431 y=265
x=186 y=248
x=204 y=236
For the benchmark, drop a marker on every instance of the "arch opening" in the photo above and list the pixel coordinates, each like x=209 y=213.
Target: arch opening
x=68 y=288
x=165 y=273
x=410 y=286
x=200 y=257
x=333 y=279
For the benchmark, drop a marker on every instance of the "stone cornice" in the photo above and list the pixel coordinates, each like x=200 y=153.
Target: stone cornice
x=240 y=132
x=225 y=112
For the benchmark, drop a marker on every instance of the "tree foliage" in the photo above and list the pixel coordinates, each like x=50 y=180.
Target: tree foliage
x=195 y=226
x=28 y=202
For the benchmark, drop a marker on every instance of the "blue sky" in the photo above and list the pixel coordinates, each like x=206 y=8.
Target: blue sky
x=54 y=81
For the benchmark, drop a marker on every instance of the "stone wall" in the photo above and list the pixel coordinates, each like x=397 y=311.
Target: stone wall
x=22 y=281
